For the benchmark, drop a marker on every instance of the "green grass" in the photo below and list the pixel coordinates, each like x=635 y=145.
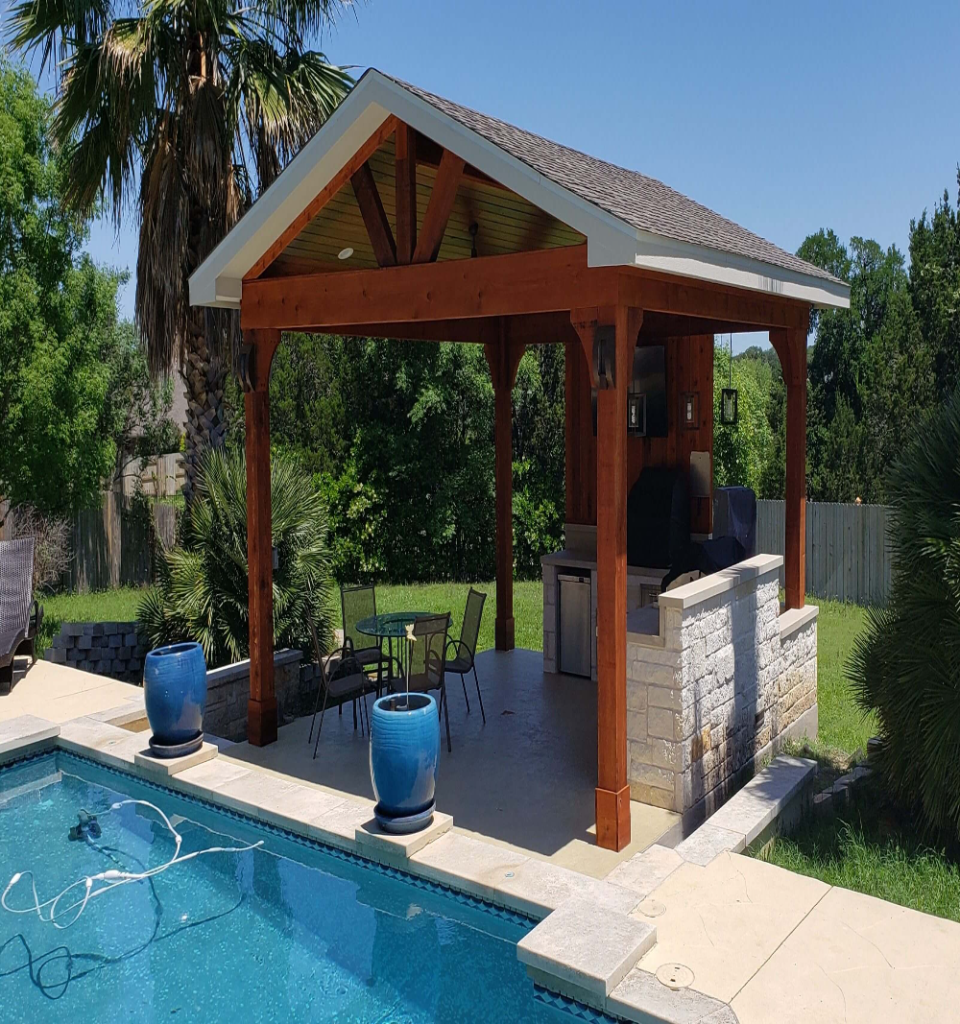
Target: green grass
x=100 y=606
x=869 y=850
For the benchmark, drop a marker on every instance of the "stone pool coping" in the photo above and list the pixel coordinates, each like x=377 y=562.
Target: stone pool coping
x=605 y=943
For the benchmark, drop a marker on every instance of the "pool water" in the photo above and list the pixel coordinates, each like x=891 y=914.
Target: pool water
x=284 y=932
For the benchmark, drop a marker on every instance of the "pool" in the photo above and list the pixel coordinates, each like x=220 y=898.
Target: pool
x=284 y=931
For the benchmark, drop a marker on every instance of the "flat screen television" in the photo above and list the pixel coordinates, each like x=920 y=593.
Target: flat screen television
x=646 y=394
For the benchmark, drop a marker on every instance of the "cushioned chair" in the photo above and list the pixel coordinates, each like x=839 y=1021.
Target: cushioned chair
x=464 y=650
x=425 y=662
x=20 y=614
x=341 y=679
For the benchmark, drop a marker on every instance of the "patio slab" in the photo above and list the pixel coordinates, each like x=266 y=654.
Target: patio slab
x=526 y=780
x=60 y=693
x=859 y=960
x=725 y=920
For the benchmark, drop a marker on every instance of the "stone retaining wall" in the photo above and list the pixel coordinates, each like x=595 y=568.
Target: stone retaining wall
x=107 y=648
x=727 y=679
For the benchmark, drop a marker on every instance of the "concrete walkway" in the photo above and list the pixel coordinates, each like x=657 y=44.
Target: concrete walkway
x=59 y=693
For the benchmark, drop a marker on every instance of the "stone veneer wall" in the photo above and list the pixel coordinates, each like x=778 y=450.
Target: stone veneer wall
x=228 y=690
x=107 y=648
x=728 y=678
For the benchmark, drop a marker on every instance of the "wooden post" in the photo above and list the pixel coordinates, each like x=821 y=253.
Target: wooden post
x=262 y=706
x=791 y=347
x=504 y=360
x=613 y=790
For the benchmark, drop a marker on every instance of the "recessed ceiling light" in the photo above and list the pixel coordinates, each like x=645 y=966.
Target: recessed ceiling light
x=345 y=254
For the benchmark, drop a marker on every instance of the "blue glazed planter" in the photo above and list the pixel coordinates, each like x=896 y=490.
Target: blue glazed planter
x=175 y=693
x=404 y=754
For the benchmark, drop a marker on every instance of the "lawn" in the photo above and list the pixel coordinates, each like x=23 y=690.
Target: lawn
x=118 y=605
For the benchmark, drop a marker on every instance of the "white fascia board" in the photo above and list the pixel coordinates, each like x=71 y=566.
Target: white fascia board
x=654 y=252
x=218 y=280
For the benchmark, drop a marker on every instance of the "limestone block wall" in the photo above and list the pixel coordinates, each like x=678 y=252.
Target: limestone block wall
x=727 y=679
x=228 y=690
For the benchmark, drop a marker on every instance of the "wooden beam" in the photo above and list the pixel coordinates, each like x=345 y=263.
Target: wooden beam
x=791 y=348
x=504 y=360
x=262 y=705
x=430 y=153
x=527 y=282
x=439 y=207
x=374 y=217
x=325 y=194
x=613 y=790
x=406 y=176
x=478 y=331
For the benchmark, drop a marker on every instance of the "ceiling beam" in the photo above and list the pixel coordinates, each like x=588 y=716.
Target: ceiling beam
x=324 y=196
x=405 y=150
x=374 y=217
x=439 y=207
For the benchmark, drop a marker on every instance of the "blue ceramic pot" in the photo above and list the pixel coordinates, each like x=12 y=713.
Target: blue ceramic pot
x=404 y=754
x=175 y=692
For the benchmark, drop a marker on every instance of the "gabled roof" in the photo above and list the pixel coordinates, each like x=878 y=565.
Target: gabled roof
x=628 y=218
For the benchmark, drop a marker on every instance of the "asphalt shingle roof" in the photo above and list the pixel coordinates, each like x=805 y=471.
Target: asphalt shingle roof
x=644 y=203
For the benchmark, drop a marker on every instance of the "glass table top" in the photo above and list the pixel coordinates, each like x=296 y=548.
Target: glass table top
x=390 y=624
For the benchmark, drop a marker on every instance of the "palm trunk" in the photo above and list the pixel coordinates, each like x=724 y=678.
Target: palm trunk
x=203 y=378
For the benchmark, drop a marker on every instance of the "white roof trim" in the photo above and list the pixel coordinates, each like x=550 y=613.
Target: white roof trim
x=610 y=241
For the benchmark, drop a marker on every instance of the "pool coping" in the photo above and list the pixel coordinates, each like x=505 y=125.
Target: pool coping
x=591 y=972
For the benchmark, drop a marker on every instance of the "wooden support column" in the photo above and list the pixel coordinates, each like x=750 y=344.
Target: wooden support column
x=613 y=790
x=262 y=706
x=504 y=360
x=791 y=347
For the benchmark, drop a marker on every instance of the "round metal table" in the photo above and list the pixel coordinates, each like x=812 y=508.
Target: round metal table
x=391 y=626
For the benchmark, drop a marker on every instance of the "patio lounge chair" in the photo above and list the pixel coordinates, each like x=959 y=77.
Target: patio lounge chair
x=359 y=603
x=342 y=679
x=465 y=649
x=20 y=614
x=425 y=664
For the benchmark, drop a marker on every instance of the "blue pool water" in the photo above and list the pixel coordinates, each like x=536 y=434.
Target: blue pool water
x=286 y=932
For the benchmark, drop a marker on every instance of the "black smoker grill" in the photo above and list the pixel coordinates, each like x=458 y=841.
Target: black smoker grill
x=658 y=526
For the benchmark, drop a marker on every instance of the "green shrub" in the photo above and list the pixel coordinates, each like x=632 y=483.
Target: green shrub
x=202 y=587
x=906 y=664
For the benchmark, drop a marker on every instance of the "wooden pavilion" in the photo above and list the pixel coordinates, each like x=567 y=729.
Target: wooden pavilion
x=410 y=217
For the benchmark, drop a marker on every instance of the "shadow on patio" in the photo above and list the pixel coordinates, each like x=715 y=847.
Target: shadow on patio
x=525 y=779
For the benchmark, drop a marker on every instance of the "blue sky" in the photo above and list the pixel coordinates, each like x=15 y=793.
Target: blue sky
x=784 y=117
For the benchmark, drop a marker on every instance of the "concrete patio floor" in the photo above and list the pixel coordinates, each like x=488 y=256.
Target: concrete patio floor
x=524 y=780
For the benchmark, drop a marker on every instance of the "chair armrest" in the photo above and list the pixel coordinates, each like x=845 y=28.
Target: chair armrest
x=36 y=617
x=457 y=645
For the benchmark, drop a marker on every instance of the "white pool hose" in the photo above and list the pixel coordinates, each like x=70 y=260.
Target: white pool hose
x=113 y=878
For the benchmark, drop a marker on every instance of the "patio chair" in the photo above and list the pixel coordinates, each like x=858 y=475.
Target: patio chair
x=20 y=614
x=342 y=679
x=358 y=603
x=465 y=649
x=425 y=664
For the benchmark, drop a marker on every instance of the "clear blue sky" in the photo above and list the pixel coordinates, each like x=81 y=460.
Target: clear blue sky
x=784 y=117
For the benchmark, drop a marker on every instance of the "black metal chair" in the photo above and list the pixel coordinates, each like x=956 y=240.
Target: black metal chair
x=425 y=664
x=341 y=679
x=465 y=649
x=20 y=614
x=357 y=603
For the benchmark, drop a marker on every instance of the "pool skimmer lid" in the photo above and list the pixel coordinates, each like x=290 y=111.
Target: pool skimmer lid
x=675 y=976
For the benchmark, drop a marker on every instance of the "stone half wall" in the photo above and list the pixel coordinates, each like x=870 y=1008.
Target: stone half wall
x=106 y=648
x=228 y=690
x=726 y=681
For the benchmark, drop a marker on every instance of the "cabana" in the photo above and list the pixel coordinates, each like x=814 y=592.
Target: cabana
x=410 y=217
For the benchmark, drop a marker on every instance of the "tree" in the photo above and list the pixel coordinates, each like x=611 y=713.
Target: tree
x=204 y=103
x=67 y=367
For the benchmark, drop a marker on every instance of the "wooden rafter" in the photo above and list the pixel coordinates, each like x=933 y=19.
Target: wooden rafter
x=324 y=196
x=374 y=217
x=439 y=207
x=405 y=151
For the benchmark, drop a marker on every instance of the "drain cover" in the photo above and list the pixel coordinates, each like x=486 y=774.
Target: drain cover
x=651 y=908
x=675 y=976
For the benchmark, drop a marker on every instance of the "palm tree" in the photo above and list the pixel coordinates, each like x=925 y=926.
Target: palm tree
x=203 y=102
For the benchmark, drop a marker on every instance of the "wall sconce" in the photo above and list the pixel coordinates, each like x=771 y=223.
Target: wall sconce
x=637 y=415
x=690 y=410
x=729 y=411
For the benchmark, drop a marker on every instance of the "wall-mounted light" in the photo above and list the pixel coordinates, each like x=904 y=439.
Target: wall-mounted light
x=729 y=401
x=690 y=410
x=345 y=254
x=637 y=415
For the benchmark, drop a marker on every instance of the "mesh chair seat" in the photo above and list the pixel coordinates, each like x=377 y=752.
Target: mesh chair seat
x=369 y=655
x=462 y=663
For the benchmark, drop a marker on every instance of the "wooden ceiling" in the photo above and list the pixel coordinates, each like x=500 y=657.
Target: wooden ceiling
x=506 y=223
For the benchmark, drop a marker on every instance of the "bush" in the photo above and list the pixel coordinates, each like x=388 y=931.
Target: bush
x=202 y=593
x=51 y=544
x=906 y=664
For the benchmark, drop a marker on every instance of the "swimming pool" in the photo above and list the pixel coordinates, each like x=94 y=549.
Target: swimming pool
x=285 y=931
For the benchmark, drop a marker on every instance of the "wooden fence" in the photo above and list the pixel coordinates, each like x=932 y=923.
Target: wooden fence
x=112 y=547
x=848 y=548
